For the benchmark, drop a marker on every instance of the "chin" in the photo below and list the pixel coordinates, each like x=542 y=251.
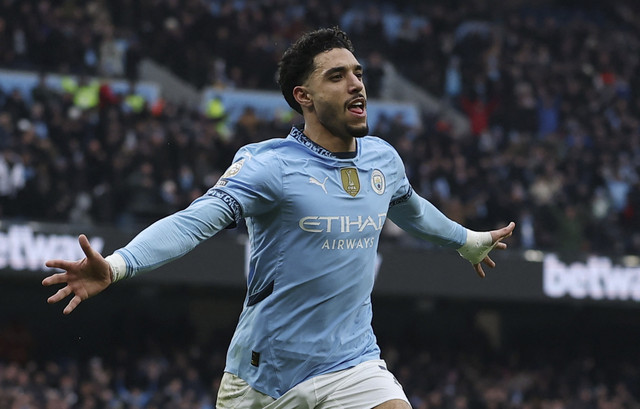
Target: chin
x=360 y=131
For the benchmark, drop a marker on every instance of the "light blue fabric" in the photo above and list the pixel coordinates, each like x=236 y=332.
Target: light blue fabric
x=314 y=220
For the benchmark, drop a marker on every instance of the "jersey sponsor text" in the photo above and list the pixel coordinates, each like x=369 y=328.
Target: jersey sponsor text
x=342 y=224
x=349 y=244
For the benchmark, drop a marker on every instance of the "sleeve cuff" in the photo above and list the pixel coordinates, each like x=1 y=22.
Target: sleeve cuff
x=118 y=267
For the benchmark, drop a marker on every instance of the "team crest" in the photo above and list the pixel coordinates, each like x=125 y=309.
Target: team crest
x=377 y=182
x=350 y=180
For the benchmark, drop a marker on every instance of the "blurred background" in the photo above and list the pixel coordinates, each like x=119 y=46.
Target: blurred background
x=116 y=113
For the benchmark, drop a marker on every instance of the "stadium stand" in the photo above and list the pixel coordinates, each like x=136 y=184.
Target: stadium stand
x=552 y=95
x=554 y=142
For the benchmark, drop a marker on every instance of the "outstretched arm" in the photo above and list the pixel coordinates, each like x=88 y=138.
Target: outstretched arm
x=158 y=244
x=420 y=218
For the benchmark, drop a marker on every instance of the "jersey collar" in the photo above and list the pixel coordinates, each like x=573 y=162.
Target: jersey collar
x=297 y=134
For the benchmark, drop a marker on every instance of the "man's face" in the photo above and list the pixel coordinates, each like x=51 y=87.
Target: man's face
x=338 y=93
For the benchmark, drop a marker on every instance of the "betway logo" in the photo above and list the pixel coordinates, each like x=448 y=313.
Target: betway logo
x=342 y=224
x=21 y=249
x=597 y=279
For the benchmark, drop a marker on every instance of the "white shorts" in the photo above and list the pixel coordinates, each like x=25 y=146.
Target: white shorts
x=366 y=385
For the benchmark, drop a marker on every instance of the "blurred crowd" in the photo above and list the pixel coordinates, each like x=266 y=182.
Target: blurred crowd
x=552 y=95
x=187 y=377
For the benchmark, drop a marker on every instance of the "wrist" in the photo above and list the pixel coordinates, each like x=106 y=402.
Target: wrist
x=477 y=246
x=117 y=267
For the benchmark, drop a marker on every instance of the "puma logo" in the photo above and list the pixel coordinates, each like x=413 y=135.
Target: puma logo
x=317 y=182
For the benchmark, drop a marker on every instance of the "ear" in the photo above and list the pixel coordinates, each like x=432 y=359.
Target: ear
x=302 y=96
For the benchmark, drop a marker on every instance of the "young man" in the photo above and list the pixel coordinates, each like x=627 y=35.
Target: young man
x=314 y=203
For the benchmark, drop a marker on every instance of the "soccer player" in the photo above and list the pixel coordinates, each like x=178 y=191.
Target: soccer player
x=315 y=203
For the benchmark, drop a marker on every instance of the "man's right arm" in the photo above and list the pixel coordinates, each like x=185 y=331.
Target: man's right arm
x=163 y=241
x=171 y=237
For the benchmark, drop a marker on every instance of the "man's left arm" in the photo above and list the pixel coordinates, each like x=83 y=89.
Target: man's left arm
x=422 y=219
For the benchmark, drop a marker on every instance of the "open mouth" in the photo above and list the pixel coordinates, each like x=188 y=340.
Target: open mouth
x=357 y=106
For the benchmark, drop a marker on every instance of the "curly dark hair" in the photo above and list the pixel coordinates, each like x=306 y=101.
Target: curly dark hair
x=296 y=63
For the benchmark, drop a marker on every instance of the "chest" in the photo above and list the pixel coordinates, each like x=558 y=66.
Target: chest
x=341 y=199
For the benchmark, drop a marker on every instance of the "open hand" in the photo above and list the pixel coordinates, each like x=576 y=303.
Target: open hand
x=496 y=236
x=83 y=278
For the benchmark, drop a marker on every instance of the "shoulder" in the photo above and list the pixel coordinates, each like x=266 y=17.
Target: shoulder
x=379 y=146
x=270 y=148
x=377 y=142
x=260 y=148
x=262 y=159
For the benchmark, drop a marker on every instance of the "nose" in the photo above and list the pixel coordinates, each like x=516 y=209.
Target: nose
x=355 y=83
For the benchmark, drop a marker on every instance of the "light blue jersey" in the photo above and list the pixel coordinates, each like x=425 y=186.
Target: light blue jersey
x=314 y=220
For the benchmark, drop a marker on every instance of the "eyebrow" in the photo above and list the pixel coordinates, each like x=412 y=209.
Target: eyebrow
x=342 y=68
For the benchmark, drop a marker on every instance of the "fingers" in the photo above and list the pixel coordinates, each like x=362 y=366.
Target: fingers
x=75 y=301
x=86 y=246
x=497 y=236
x=503 y=233
x=72 y=268
x=61 y=264
x=487 y=260
x=478 y=267
x=506 y=231
x=60 y=295
x=55 y=279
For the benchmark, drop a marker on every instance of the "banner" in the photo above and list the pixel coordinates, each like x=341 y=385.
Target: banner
x=433 y=272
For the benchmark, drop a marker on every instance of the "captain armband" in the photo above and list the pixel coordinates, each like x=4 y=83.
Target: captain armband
x=118 y=267
x=477 y=246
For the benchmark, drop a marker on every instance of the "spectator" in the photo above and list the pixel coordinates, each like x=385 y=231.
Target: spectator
x=435 y=375
x=557 y=91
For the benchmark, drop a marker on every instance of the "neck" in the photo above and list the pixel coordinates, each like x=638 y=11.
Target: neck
x=323 y=137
